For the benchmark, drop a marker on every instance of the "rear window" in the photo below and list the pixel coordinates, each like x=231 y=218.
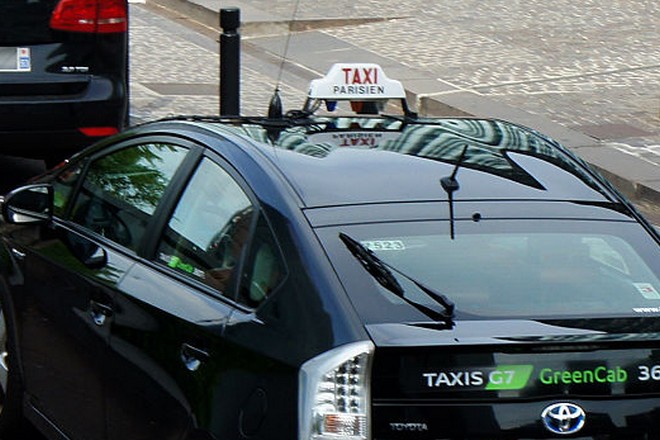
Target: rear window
x=490 y=143
x=505 y=269
x=25 y=22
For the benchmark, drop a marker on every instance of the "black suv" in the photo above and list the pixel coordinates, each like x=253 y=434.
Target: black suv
x=63 y=74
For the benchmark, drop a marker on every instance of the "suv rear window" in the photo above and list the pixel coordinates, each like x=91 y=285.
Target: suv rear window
x=25 y=22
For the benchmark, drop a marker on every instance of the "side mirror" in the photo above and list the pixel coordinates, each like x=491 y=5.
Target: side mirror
x=28 y=204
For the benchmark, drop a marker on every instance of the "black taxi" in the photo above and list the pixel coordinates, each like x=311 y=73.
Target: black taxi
x=320 y=275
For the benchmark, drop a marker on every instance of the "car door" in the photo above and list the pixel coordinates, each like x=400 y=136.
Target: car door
x=169 y=324
x=72 y=268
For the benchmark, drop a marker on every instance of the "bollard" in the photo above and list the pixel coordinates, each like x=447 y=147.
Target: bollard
x=230 y=61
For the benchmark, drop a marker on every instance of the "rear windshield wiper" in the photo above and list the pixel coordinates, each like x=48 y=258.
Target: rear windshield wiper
x=382 y=273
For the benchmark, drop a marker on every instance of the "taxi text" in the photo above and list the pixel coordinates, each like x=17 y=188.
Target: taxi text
x=359 y=81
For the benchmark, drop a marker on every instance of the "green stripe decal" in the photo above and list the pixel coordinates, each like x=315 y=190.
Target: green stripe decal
x=509 y=377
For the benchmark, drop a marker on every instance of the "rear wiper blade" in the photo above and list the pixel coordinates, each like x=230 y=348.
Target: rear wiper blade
x=382 y=273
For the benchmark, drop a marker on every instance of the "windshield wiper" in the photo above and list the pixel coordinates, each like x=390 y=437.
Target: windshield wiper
x=382 y=273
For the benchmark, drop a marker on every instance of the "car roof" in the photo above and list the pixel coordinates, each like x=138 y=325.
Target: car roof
x=337 y=161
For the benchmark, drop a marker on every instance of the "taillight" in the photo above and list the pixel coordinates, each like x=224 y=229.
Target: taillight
x=98 y=131
x=334 y=395
x=95 y=16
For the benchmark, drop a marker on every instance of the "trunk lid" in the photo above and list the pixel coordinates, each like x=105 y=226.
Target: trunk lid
x=517 y=379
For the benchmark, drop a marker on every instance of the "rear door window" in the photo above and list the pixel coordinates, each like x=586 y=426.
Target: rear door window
x=217 y=236
x=205 y=236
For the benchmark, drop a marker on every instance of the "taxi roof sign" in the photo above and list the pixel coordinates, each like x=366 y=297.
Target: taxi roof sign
x=356 y=82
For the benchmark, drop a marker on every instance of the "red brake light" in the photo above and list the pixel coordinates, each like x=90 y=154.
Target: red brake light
x=96 y=16
x=98 y=131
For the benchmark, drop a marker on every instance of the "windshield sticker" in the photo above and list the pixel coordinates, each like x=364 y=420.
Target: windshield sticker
x=176 y=263
x=384 y=245
x=651 y=310
x=647 y=290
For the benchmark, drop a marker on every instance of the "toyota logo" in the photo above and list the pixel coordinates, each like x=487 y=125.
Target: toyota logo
x=563 y=418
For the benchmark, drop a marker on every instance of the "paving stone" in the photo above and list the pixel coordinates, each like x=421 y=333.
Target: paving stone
x=586 y=72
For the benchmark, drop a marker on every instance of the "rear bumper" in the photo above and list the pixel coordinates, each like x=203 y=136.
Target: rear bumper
x=43 y=144
x=634 y=418
x=40 y=126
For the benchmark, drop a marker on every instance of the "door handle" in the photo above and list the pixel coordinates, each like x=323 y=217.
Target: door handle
x=99 y=312
x=192 y=357
x=18 y=254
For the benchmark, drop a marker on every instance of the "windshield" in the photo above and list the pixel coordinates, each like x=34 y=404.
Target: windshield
x=505 y=269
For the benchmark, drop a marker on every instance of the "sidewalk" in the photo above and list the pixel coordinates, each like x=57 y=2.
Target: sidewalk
x=587 y=76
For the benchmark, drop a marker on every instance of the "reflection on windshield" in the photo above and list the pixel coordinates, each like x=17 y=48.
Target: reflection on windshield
x=489 y=141
x=532 y=272
x=502 y=274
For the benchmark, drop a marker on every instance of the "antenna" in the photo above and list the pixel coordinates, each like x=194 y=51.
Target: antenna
x=275 y=106
x=275 y=110
x=450 y=185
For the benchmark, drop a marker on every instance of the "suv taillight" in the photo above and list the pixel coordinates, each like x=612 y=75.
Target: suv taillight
x=95 y=16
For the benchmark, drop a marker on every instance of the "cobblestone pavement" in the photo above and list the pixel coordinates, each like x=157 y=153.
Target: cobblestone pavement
x=587 y=65
x=592 y=67
x=176 y=71
x=583 y=64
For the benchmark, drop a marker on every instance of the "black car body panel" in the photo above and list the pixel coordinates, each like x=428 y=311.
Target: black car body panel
x=505 y=380
x=62 y=295
x=61 y=88
x=145 y=339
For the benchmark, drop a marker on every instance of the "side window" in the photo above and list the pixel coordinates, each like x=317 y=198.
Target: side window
x=63 y=185
x=121 y=191
x=211 y=231
x=264 y=269
x=209 y=228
